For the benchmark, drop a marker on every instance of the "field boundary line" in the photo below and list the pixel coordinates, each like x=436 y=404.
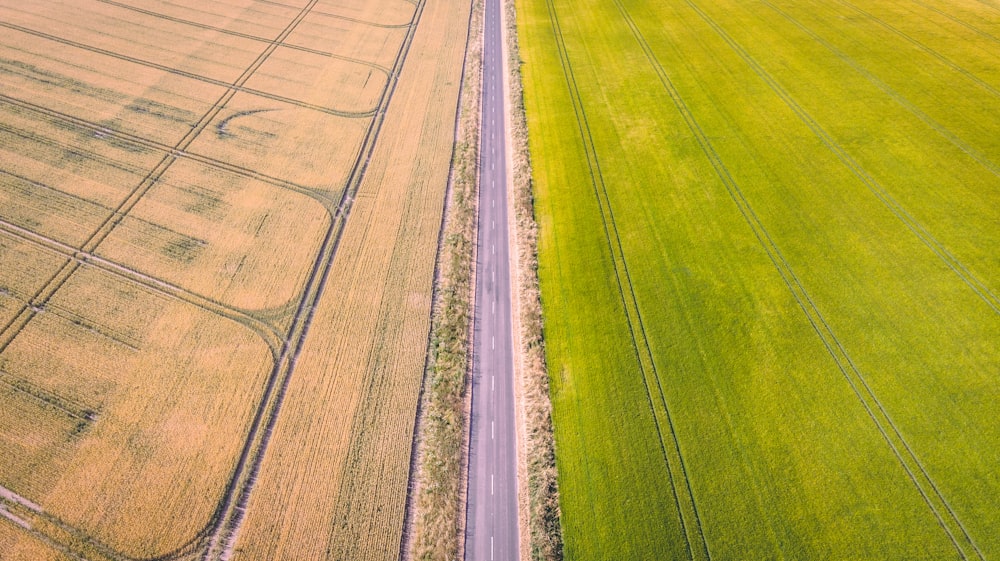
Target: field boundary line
x=190 y=75
x=898 y=97
x=542 y=540
x=980 y=288
x=686 y=505
x=833 y=346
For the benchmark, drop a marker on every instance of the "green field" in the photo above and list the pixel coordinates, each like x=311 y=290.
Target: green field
x=770 y=266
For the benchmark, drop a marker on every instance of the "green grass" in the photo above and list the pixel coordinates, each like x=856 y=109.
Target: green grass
x=770 y=277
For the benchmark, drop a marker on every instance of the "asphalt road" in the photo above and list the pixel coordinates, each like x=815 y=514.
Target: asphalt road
x=491 y=516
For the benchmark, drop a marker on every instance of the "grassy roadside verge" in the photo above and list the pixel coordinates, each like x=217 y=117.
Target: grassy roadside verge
x=545 y=535
x=438 y=514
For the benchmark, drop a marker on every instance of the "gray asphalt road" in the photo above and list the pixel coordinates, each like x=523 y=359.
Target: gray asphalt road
x=491 y=523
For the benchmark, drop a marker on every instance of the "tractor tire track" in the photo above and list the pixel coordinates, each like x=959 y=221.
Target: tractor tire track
x=230 y=87
x=888 y=90
x=232 y=33
x=119 y=165
x=943 y=59
x=989 y=4
x=979 y=287
x=696 y=544
x=209 y=533
x=963 y=23
x=857 y=381
x=229 y=517
x=59 y=278
x=267 y=333
x=98 y=129
x=346 y=18
x=256 y=320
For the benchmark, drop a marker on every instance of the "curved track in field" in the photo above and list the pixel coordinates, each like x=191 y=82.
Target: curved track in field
x=221 y=540
x=215 y=539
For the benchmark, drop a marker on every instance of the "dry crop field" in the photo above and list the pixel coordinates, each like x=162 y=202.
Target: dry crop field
x=218 y=224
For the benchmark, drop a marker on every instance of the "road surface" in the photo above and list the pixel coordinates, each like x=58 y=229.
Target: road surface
x=491 y=523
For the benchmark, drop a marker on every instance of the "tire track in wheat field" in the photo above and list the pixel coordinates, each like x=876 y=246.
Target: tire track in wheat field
x=232 y=33
x=237 y=86
x=347 y=18
x=109 y=132
x=901 y=449
x=229 y=517
x=283 y=366
x=267 y=333
x=59 y=278
x=694 y=538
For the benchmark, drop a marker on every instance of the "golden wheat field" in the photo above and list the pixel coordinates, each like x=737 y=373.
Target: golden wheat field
x=218 y=224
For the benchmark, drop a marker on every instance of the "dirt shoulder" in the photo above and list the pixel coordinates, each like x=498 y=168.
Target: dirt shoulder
x=541 y=534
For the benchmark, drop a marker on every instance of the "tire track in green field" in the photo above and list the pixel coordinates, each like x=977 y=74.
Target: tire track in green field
x=980 y=288
x=563 y=63
x=683 y=496
x=560 y=49
x=989 y=4
x=854 y=377
x=888 y=90
x=961 y=22
x=943 y=59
